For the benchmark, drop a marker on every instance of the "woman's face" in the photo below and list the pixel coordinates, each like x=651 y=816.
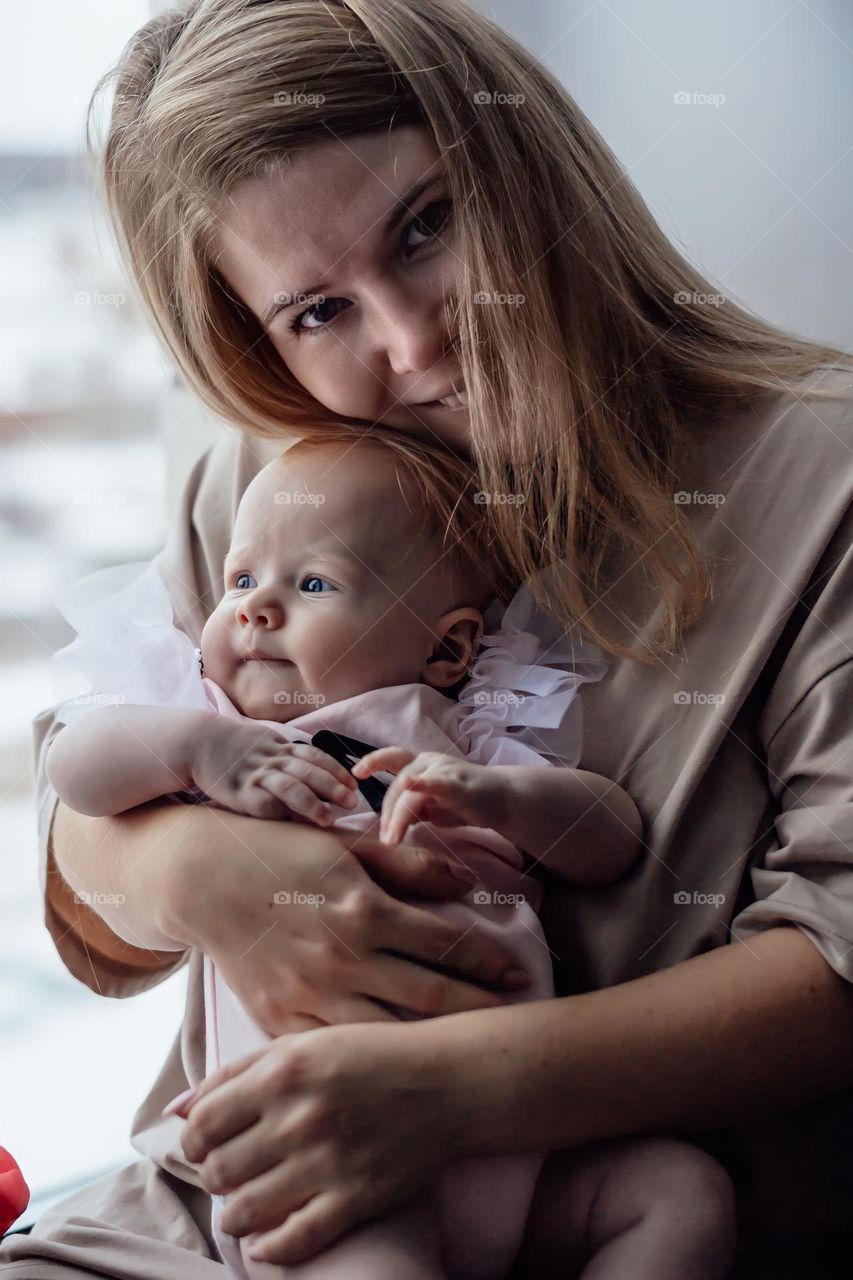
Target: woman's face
x=350 y=283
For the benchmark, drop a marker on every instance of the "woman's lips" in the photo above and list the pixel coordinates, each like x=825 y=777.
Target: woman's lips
x=456 y=401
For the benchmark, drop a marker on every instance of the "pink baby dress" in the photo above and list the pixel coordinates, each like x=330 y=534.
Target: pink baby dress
x=519 y=706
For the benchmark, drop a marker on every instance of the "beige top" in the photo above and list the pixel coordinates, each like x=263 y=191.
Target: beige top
x=739 y=756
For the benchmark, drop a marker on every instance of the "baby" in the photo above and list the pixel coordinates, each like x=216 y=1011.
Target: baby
x=350 y=642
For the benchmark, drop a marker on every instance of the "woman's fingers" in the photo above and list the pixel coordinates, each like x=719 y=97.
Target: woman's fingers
x=229 y=1072
x=410 y=869
x=423 y=991
x=238 y=1159
x=356 y=1008
x=308 y=1230
x=416 y=934
x=265 y=1200
x=222 y=1113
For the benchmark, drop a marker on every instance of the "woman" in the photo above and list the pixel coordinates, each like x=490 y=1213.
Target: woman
x=260 y=155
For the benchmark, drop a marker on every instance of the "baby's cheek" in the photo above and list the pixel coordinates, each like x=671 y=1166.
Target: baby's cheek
x=217 y=649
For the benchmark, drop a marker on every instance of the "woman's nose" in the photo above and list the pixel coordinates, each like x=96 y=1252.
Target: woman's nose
x=411 y=329
x=260 y=611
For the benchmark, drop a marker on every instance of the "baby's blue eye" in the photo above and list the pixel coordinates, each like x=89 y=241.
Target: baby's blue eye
x=238 y=580
x=315 y=585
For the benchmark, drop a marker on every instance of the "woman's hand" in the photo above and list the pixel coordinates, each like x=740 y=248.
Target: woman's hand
x=432 y=786
x=253 y=770
x=296 y=925
x=319 y=1131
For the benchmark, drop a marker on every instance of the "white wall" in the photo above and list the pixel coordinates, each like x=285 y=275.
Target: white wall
x=757 y=190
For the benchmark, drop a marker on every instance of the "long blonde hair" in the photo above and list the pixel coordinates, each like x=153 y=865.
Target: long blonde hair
x=581 y=399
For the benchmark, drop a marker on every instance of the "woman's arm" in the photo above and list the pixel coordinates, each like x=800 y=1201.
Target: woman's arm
x=339 y=950
x=738 y=1033
x=735 y=1034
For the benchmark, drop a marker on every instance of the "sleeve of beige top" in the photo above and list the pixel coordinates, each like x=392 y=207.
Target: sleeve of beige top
x=191 y=564
x=806 y=730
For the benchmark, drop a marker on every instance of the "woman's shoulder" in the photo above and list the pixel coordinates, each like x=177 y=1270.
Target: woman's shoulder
x=792 y=448
x=808 y=425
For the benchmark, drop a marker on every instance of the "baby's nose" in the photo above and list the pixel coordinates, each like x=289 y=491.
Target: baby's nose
x=264 y=614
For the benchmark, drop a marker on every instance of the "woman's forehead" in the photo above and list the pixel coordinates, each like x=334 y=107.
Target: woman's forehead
x=320 y=211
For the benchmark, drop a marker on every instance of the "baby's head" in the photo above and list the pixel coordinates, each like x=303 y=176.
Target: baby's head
x=357 y=561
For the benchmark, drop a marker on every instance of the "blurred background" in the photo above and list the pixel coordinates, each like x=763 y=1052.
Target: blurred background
x=733 y=121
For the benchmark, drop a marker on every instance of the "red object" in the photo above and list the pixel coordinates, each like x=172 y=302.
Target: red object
x=14 y=1192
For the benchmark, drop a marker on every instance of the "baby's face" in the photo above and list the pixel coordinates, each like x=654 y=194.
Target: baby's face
x=329 y=589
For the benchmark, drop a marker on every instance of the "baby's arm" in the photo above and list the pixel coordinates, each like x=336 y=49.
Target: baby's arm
x=121 y=756
x=578 y=825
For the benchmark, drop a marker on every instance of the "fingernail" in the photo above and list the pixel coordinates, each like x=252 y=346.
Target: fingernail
x=461 y=873
x=171 y=1108
x=515 y=979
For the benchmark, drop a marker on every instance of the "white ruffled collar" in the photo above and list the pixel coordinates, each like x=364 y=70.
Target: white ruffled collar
x=520 y=702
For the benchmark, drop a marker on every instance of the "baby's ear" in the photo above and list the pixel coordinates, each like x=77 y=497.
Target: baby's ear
x=459 y=635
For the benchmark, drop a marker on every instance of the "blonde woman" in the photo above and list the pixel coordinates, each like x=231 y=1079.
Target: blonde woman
x=331 y=208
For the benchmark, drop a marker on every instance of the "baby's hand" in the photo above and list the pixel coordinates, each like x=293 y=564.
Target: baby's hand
x=433 y=787
x=253 y=770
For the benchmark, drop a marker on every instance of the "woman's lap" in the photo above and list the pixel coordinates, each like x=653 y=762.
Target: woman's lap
x=138 y=1223
x=141 y=1223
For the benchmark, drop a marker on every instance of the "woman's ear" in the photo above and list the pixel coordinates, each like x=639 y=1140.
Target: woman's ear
x=459 y=633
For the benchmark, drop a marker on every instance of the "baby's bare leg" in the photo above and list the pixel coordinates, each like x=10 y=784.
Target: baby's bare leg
x=404 y=1245
x=631 y=1209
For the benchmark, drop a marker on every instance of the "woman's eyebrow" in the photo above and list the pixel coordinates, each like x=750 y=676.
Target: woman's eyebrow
x=300 y=296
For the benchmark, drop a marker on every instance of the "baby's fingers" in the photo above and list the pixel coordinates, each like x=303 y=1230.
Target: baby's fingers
x=403 y=812
x=321 y=760
x=322 y=781
x=382 y=760
x=296 y=797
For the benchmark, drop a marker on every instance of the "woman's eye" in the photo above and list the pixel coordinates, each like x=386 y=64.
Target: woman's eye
x=429 y=223
x=240 y=585
x=301 y=323
x=314 y=585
